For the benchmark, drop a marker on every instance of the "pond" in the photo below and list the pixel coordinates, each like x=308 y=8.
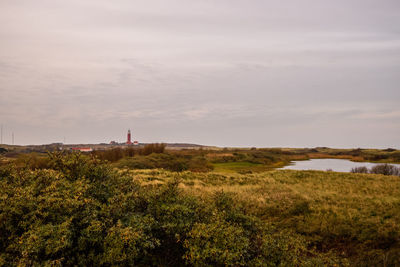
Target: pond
x=337 y=165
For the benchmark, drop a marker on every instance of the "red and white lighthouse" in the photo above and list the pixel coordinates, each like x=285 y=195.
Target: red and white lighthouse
x=128 y=141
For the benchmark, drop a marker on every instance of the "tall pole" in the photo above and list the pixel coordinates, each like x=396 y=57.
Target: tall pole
x=13 y=138
x=1 y=134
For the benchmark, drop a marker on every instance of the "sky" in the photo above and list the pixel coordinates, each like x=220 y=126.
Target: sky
x=240 y=73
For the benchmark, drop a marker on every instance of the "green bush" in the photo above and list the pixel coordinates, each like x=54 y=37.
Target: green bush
x=166 y=161
x=218 y=243
x=33 y=161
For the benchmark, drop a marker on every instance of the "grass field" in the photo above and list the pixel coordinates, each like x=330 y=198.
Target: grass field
x=355 y=215
x=244 y=167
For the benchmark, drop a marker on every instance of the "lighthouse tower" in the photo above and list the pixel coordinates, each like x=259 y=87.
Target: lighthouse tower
x=128 y=141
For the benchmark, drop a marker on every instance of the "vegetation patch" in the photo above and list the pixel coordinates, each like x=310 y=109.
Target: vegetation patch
x=75 y=209
x=240 y=167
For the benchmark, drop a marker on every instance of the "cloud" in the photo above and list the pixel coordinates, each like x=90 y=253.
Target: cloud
x=379 y=115
x=91 y=68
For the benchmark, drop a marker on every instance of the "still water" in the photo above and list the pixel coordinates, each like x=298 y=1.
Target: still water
x=337 y=165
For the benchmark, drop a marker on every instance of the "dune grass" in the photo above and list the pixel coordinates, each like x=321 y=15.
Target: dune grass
x=355 y=215
x=240 y=167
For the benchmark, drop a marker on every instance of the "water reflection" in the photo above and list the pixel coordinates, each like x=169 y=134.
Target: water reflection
x=337 y=165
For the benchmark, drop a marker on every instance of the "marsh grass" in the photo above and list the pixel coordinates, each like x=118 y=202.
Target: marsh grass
x=354 y=215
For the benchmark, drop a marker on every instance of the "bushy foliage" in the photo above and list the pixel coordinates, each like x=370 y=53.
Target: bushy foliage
x=152 y=161
x=33 y=161
x=152 y=148
x=385 y=169
x=115 y=154
x=172 y=162
x=80 y=211
x=361 y=169
x=258 y=156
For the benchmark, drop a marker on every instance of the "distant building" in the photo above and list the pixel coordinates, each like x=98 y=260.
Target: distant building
x=135 y=143
x=113 y=143
x=82 y=149
x=128 y=141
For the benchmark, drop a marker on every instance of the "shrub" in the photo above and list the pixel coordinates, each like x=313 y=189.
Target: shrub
x=152 y=148
x=118 y=153
x=199 y=164
x=165 y=161
x=111 y=155
x=33 y=161
x=396 y=155
x=300 y=207
x=389 y=150
x=172 y=162
x=216 y=244
x=361 y=169
x=385 y=169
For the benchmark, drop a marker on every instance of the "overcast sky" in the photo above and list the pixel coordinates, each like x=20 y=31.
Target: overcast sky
x=215 y=72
